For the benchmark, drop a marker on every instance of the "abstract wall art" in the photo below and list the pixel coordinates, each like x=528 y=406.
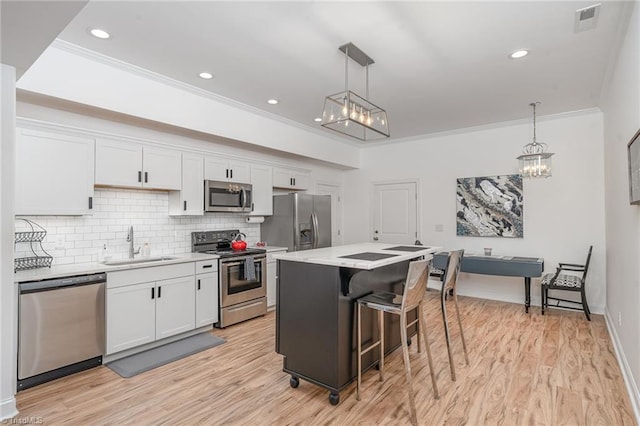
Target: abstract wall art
x=489 y=206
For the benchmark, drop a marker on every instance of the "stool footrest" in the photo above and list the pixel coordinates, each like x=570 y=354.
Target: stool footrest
x=373 y=345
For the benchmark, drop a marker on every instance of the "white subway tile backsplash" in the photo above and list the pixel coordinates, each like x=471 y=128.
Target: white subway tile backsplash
x=80 y=239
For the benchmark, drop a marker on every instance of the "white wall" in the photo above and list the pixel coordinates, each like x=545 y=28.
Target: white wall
x=621 y=107
x=140 y=93
x=7 y=288
x=563 y=215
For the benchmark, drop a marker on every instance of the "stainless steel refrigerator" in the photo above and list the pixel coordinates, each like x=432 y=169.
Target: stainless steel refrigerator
x=299 y=222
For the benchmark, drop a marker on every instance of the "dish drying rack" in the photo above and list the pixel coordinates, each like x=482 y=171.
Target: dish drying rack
x=32 y=236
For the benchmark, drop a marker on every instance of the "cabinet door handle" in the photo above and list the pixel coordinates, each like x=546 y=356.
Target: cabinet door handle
x=198 y=284
x=294 y=181
x=185 y=205
x=291 y=181
x=207 y=266
x=139 y=175
x=146 y=177
x=90 y=203
x=251 y=206
x=227 y=173
x=153 y=292
x=231 y=174
x=159 y=292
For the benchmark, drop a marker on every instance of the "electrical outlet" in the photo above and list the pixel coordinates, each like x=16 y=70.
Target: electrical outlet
x=619 y=319
x=439 y=227
x=59 y=243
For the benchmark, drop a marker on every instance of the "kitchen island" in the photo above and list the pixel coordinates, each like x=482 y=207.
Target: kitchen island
x=315 y=314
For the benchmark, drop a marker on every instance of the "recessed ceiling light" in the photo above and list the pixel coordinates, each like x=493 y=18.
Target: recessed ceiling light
x=98 y=33
x=317 y=119
x=272 y=101
x=206 y=75
x=519 y=54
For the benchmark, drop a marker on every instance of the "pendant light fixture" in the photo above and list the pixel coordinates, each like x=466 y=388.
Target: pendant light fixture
x=351 y=114
x=535 y=162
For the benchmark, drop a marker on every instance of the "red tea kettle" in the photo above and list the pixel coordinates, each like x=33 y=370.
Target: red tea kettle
x=238 y=243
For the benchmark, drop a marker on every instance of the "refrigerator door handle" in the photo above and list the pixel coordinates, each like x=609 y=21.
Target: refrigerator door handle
x=314 y=227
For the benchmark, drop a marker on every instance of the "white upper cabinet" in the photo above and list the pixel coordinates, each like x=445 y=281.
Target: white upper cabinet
x=189 y=201
x=290 y=179
x=162 y=168
x=54 y=173
x=262 y=190
x=225 y=170
x=129 y=164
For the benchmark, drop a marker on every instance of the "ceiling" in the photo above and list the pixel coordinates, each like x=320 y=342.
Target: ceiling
x=438 y=66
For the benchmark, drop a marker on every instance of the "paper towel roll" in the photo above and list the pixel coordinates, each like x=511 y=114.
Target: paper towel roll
x=255 y=219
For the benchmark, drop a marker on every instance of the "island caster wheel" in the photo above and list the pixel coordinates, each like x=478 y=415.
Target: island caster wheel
x=294 y=382
x=334 y=398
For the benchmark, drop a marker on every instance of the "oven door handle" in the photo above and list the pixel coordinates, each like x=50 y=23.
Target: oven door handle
x=229 y=264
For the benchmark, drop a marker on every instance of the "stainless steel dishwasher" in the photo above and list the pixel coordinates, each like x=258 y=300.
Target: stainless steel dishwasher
x=61 y=327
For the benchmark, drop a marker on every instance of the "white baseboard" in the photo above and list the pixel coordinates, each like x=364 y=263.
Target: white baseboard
x=8 y=408
x=629 y=381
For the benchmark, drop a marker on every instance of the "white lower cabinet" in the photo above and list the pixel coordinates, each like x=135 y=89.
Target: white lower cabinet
x=148 y=304
x=206 y=290
x=131 y=316
x=271 y=276
x=175 y=306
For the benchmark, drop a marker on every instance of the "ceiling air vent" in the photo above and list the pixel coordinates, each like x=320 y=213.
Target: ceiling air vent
x=586 y=18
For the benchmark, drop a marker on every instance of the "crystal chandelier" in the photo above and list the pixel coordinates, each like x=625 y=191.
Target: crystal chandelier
x=535 y=162
x=351 y=114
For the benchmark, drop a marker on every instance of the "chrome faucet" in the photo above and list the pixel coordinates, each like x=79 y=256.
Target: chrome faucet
x=132 y=253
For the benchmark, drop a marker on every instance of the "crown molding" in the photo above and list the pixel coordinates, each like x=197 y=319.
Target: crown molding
x=489 y=126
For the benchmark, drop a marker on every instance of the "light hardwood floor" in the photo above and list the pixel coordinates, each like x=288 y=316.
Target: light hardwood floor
x=526 y=369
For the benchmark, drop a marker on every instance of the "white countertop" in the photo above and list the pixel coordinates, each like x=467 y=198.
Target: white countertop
x=94 y=268
x=331 y=256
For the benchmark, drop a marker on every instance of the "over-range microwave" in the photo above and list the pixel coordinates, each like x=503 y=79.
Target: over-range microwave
x=227 y=196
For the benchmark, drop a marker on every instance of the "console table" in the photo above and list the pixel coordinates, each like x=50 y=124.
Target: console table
x=508 y=266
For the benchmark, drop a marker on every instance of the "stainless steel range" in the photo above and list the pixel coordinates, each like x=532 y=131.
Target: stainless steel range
x=242 y=276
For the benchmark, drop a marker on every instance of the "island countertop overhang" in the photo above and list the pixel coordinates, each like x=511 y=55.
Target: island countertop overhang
x=334 y=256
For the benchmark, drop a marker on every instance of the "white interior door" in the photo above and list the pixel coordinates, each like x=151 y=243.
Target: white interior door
x=395 y=213
x=336 y=210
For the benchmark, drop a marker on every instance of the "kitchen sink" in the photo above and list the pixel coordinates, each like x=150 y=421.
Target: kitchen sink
x=138 y=260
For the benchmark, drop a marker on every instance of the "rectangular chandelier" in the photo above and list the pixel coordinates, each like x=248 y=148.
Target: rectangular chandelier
x=349 y=113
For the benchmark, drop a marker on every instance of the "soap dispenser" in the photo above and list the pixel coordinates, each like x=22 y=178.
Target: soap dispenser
x=105 y=253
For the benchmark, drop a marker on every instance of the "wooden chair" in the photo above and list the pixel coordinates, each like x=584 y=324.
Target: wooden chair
x=413 y=294
x=449 y=286
x=567 y=282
